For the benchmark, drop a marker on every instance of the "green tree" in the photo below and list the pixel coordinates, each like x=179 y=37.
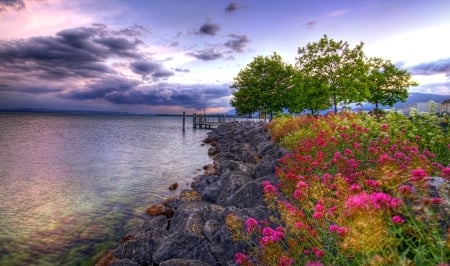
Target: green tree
x=386 y=83
x=261 y=86
x=307 y=93
x=339 y=69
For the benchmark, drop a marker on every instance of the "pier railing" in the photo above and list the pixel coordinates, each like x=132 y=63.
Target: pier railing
x=208 y=121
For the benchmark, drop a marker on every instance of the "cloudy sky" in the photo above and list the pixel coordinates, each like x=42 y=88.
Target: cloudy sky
x=170 y=56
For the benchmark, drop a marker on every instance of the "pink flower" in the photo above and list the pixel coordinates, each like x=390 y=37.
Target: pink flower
x=406 y=190
x=270 y=235
x=285 y=261
x=251 y=224
x=318 y=252
x=301 y=185
x=355 y=188
x=397 y=219
x=241 y=258
x=338 y=229
x=332 y=210
x=317 y=215
x=435 y=201
x=373 y=183
x=298 y=194
x=446 y=172
x=358 y=201
x=384 y=158
x=418 y=174
x=269 y=189
x=319 y=207
x=384 y=127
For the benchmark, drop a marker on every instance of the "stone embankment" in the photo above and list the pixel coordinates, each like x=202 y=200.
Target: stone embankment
x=190 y=229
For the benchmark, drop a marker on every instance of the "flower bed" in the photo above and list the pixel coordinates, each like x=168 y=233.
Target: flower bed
x=353 y=190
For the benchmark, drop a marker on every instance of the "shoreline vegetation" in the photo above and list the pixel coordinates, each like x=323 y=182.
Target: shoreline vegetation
x=340 y=189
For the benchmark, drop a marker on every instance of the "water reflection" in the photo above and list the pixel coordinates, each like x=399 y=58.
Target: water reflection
x=71 y=185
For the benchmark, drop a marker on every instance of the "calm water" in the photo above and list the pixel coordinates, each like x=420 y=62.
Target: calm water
x=72 y=185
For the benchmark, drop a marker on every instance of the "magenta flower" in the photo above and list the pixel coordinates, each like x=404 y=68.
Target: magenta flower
x=355 y=188
x=397 y=219
x=269 y=189
x=241 y=258
x=317 y=215
x=358 y=201
x=251 y=224
x=270 y=235
x=406 y=190
x=285 y=261
x=445 y=172
x=338 y=229
x=418 y=174
x=372 y=183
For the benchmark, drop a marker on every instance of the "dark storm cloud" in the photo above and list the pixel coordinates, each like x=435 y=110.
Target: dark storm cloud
x=102 y=88
x=209 y=29
x=126 y=91
x=77 y=53
x=233 y=7
x=237 y=42
x=206 y=55
x=16 y=5
x=441 y=66
x=150 y=69
x=187 y=96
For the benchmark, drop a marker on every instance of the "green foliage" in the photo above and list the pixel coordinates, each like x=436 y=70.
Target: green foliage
x=335 y=69
x=386 y=83
x=261 y=86
x=327 y=73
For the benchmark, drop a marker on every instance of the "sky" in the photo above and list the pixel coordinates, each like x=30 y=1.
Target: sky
x=174 y=56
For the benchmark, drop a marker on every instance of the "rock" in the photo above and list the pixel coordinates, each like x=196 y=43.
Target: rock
x=213 y=151
x=173 y=187
x=156 y=209
x=190 y=229
x=107 y=259
x=190 y=195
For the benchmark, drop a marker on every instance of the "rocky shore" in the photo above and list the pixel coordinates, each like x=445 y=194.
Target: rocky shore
x=190 y=229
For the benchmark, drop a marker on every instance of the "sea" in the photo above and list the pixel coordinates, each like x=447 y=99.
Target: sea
x=72 y=185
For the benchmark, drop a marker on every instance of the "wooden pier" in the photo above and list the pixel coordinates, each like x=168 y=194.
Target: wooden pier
x=208 y=121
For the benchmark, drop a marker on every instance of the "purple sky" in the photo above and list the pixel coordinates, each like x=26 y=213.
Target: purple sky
x=170 y=56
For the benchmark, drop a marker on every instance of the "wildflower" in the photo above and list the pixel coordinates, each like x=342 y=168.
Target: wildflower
x=298 y=194
x=251 y=224
x=384 y=127
x=241 y=258
x=332 y=210
x=355 y=188
x=446 y=172
x=301 y=185
x=338 y=229
x=358 y=201
x=318 y=252
x=406 y=190
x=435 y=201
x=418 y=174
x=269 y=189
x=384 y=158
x=317 y=215
x=397 y=219
x=373 y=183
x=285 y=261
x=270 y=235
